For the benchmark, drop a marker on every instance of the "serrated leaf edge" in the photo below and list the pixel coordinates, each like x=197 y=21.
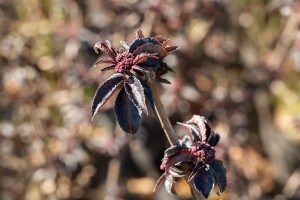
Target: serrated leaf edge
x=109 y=93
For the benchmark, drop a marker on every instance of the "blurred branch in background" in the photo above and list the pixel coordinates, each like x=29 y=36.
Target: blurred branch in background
x=287 y=37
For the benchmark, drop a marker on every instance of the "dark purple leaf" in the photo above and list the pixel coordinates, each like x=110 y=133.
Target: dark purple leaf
x=141 y=41
x=203 y=125
x=105 y=91
x=174 y=171
x=180 y=158
x=106 y=49
x=147 y=60
x=108 y=68
x=111 y=48
x=219 y=172
x=142 y=57
x=204 y=181
x=138 y=72
x=159 y=181
x=195 y=171
x=169 y=184
x=173 y=150
x=151 y=62
x=150 y=40
x=135 y=44
x=150 y=48
x=127 y=114
x=193 y=129
x=148 y=95
x=213 y=139
x=105 y=60
x=135 y=91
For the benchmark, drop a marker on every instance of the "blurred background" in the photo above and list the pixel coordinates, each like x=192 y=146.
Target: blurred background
x=238 y=64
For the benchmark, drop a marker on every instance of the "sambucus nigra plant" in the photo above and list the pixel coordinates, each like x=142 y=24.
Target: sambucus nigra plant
x=137 y=66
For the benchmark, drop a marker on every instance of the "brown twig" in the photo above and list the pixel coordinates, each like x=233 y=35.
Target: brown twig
x=284 y=42
x=169 y=131
x=162 y=116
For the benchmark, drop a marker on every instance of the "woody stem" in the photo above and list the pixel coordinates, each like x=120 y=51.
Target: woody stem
x=162 y=116
x=169 y=131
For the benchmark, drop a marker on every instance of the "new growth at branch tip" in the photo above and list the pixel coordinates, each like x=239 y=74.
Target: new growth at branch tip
x=134 y=64
x=194 y=157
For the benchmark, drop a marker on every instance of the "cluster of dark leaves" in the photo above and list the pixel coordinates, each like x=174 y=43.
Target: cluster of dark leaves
x=194 y=157
x=135 y=64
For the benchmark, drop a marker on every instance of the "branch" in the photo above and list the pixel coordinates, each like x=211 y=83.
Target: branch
x=162 y=116
x=284 y=42
x=169 y=131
